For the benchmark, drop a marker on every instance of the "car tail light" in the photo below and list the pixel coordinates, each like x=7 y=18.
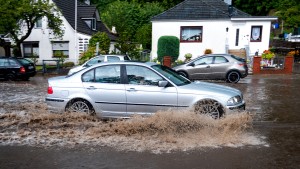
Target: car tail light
x=242 y=64
x=22 y=70
x=50 y=90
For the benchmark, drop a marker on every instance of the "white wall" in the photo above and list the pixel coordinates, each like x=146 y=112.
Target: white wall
x=214 y=36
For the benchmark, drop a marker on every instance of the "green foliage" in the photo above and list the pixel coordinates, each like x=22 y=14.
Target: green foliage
x=104 y=42
x=168 y=46
x=127 y=47
x=16 y=14
x=132 y=23
x=289 y=12
x=144 y=36
x=60 y=56
x=68 y=64
x=87 y=55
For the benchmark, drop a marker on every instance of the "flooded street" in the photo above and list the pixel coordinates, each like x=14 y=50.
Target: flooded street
x=266 y=135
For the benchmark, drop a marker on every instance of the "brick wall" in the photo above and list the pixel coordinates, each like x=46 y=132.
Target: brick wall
x=288 y=67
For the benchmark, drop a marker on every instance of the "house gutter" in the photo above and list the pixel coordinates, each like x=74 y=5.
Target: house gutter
x=255 y=19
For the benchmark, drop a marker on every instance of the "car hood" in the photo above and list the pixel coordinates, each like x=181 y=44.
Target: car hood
x=206 y=88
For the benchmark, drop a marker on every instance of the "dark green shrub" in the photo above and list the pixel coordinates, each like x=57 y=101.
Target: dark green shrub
x=168 y=46
x=68 y=64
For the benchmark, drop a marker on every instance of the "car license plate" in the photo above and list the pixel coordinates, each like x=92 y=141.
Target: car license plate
x=30 y=67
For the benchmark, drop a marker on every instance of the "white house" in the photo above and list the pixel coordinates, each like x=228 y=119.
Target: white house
x=77 y=32
x=211 y=24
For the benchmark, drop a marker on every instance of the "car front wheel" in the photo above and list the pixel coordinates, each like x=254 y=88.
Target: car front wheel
x=233 y=77
x=210 y=107
x=80 y=106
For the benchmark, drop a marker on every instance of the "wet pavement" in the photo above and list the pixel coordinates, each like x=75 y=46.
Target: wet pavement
x=272 y=100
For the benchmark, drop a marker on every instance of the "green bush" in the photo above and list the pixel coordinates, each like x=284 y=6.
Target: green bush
x=68 y=64
x=168 y=46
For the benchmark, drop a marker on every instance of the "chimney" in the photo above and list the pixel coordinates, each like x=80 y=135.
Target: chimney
x=229 y=2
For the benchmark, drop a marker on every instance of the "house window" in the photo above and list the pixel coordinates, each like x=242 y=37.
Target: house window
x=256 y=34
x=38 y=23
x=91 y=23
x=31 y=49
x=60 y=48
x=237 y=36
x=191 y=34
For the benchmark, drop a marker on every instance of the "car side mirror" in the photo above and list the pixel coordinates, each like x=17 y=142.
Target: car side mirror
x=192 y=64
x=99 y=61
x=162 y=83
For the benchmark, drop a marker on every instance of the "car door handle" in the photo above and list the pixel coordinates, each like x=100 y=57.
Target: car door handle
x=91 y=88
x=207 y=66
x=131 y=90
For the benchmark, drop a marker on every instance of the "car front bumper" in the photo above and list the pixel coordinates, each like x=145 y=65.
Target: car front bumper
x=235 y=108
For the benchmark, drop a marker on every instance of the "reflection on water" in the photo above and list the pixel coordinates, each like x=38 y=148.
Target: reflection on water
x=31 y=124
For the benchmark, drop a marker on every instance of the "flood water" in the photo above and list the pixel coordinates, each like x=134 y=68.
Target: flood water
x=266 y=135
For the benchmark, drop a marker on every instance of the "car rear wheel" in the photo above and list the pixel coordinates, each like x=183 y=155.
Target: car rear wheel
x=183 y=74
x=10 y=77
x=80 y=106
x=233 y=77
x=210 y=107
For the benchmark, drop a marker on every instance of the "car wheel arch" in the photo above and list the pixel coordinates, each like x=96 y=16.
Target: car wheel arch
x=71 y=101
x=219 y=106
x=231 y=71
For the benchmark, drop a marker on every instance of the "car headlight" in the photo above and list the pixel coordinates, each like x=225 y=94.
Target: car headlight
x=234 y=100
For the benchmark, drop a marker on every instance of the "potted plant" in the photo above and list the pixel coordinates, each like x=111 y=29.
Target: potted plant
x=188 y=57
x=268 y=56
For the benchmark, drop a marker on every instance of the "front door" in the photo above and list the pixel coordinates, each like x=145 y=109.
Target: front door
x=143 y=94
x=201 y=68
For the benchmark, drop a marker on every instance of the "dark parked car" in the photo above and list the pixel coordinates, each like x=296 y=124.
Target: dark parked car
x=215 y=67
x=12 y=68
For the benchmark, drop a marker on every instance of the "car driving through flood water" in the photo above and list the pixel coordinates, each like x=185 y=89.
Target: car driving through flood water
x=123 y=89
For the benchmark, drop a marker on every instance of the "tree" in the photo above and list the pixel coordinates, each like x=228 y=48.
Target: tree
x=18 y=17
x=103 y=39
x=289 y=12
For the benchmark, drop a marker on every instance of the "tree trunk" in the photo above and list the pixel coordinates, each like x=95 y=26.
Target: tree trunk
x=17 y=50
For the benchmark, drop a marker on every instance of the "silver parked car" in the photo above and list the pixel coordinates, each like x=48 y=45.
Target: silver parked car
x=122 y=89
x=98 y=59
x=215 y=67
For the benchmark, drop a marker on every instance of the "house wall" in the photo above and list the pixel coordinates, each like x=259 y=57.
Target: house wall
x=44 y=37
x=214 y=36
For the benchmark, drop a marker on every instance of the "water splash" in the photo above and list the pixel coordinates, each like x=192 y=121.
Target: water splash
x=166 y=131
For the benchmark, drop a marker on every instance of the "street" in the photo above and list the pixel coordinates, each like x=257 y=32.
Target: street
x=266 y=135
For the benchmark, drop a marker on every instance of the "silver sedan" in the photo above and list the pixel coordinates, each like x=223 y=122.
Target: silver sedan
x=123 y=89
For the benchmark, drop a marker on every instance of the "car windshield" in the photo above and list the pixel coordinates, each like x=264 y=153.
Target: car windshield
x=238 y=58
x=171 y=75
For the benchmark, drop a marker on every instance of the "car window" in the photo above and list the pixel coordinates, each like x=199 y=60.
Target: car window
x=171 y=75
x=3 y=62
x=13 y=62
x=204 y=60
x=97 y=59
x=88 y=76
x=142 y=76
x=113 y=58
x=108 y=74
x=238 y=58
x=220 y=59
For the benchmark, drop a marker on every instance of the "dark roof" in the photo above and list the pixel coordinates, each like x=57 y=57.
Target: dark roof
x=67 y=8
x=200 y=10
